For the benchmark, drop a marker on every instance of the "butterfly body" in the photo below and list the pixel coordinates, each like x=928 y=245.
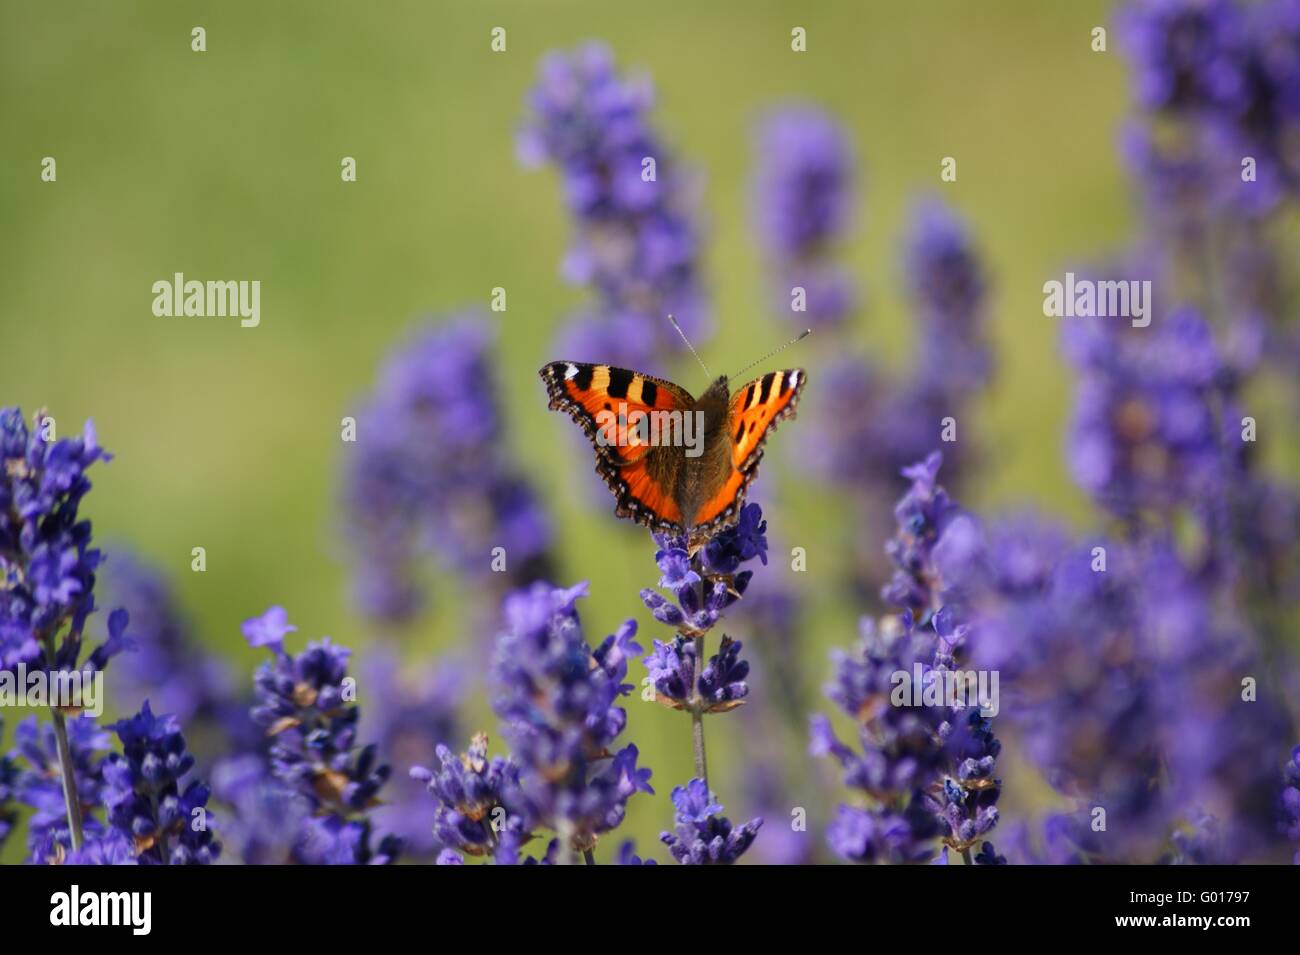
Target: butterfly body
x=674 y=462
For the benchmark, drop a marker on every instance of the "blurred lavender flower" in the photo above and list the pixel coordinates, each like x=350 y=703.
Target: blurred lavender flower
x=1290 y=802
x=557 y=700
x=1220 y=754
x=773 y=618
x=948 y=287
x=778 y=775
x=267 y=820
x=1186 y=53
x=635 y=241
x=1230 y=72
x=803 y=198
x=408 y=719
x=927 y=768
x=306 y=703
x=1150 y=432
x=47 y=564
x=1214 y=153
x=334 y=840
x=1083 y=693
x=144 y=799
x=430 y=476
x=111 y=847
x=867 y=423
x=168 y=666
x=627 y=855
x=1102 y=647
x=703 y=836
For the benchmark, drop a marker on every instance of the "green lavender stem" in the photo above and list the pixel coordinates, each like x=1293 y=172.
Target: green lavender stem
x=697 y=716
x=70 y=798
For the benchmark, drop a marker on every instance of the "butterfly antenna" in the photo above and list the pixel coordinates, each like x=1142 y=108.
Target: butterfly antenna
x=775 y=351
x=690 y=346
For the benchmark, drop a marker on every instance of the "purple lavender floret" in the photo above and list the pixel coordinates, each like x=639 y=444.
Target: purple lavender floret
x=429 y=478
x=710 y=582
x=47 y=563
x=635 y=243
x=722 y=681
x=168 y=824
x=557 y=699
x=923 y=515
x=803 y=198
x=741 y=542
x=302 y=703
x=703 y=836
x=671 y=667
x=306 y=704
x=721 y=685
x=472 y=792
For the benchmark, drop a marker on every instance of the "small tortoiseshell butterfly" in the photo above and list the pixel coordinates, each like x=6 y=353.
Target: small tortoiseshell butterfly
x=695 y=482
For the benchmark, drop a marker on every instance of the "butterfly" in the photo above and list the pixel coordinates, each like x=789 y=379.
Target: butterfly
x=674 y=463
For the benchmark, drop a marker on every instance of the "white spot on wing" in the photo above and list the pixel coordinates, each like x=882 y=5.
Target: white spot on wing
x=570 y=371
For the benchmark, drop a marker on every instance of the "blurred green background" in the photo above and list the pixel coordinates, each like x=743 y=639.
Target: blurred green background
x=225 y=164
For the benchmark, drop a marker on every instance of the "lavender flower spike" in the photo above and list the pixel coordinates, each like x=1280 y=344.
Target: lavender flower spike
x=472 y=816
x=703 y=836
x=636 y=242
x=306 y=704
x=142 y=790
x=557 y=699
x=803 y=198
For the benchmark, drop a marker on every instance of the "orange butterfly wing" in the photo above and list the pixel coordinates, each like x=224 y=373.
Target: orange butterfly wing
x=609 y=403
x=753 y=414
